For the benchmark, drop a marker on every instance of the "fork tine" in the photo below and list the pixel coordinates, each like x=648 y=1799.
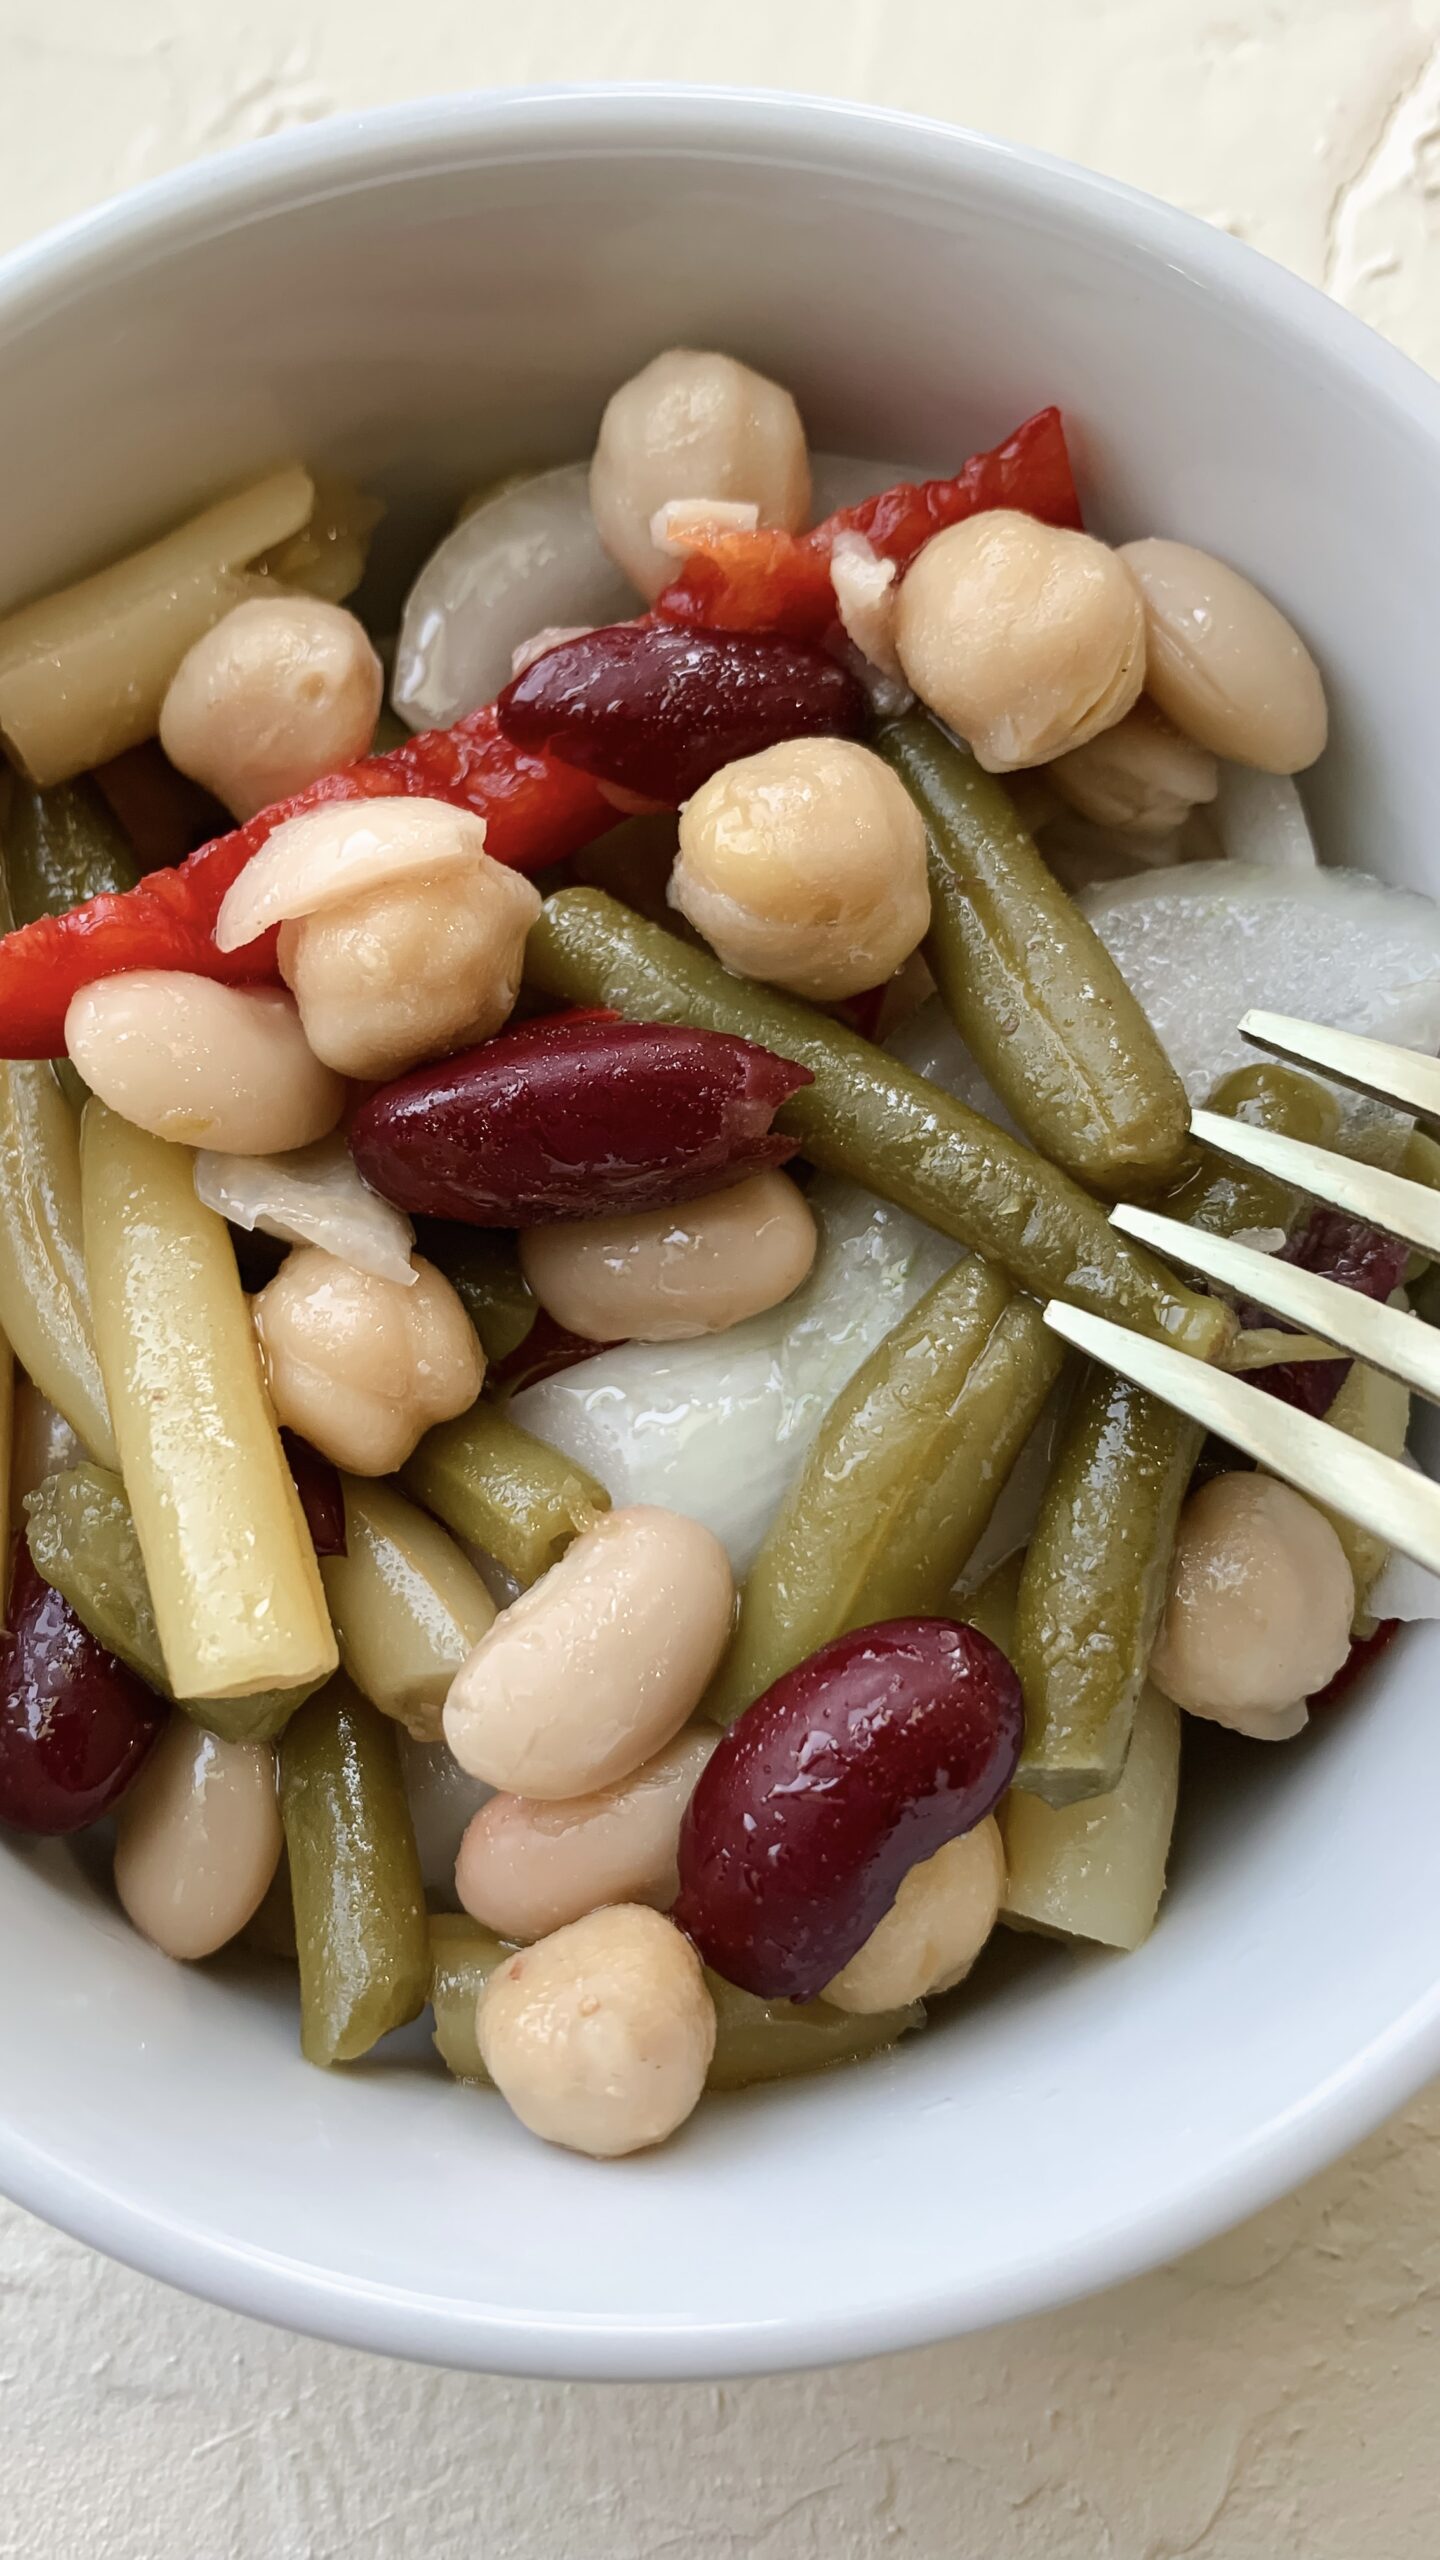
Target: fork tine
x=1403 y=1208
x=1376 y=1067
x=1385 y=1336
x=1395 y=1502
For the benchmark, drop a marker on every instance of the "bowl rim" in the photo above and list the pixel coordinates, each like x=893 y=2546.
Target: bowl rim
x=665 y=120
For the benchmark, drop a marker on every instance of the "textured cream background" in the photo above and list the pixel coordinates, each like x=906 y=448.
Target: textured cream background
x=1275 y=2394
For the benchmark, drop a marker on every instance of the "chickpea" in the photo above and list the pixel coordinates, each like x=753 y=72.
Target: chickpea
x=600 y=2037
x=1142 y=777
x=671 y=1274
x=693 y=425
x=201 y=1064
x=595 y=1668
x=527 y=1867
x=279 y=692
x=1026 y=639
x=805 y=866
x=1223 y=662
x=933 y=1930
x=412 y=970
x=1259 y=1608
x=198 y=1839
x=363 y=1366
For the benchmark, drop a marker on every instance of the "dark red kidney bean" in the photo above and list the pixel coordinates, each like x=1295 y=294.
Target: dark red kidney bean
x=841 y=1778
x=575 y=1120
x=321 y=1500
x=74 y=1723
x=1358 y=1257
x=658 y=709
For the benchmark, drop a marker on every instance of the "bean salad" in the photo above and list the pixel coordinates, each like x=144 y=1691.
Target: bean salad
x=533 y=1149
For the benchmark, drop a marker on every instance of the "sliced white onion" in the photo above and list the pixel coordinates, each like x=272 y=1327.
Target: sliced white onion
x=1261 y=819
x=329 y=855
x=867 y=601
x=1403 y=1589
x=443 y=1796
x=314 y=1196
x=525 y=559
x=1202 y=944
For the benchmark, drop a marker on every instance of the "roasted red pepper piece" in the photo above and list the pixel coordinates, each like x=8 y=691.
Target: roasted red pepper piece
x=658 y=710
x=767 y=581
x=536 y=811
x=575 y=1120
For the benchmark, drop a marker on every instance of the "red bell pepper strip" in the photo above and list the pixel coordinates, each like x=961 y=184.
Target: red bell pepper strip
x=769 y=581
x=536 y=811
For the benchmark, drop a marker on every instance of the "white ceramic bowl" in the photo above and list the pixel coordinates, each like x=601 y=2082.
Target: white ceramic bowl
x=429 y=294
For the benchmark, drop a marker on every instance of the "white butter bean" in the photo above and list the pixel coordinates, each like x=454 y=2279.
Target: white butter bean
x=1027 y=639
x=594 y=1669
x=527 y=1867
x=198 y=1839
x=805 y=866
x=1260 y=1602
x=600 y=2037
x=201 y=1064
x=933 y=1930
x=1223 y=663
x=280 y=691
x=362 y=1366
x=693 y=425
x=671 y=1274
x=1142 y=777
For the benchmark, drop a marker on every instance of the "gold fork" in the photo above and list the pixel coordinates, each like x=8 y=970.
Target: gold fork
x=1394 y=1501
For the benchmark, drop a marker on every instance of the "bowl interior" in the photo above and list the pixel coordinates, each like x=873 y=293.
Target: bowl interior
x=429 y=297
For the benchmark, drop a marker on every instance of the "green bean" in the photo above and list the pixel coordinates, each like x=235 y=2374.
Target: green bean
x=462 y=1958
x=874 y=1120
x=228 y=1558
x=1028 y=983
x=991 y=1607
x=1096 y=1870
x=1224 y=1198
x=755 y=2040
x=359 y=1905
x=483 y=1268
x=63 y=846
x=1093 y=1585
x=500 y=1489
x=406 y=1606
x=82 y=1542
x=901 y=1479
x=758 y=2040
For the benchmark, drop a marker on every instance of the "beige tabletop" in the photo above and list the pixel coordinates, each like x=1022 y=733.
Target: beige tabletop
x=1273 y=2397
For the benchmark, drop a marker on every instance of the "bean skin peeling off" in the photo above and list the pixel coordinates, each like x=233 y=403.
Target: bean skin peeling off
x=575 y=1120
x=839 y=1780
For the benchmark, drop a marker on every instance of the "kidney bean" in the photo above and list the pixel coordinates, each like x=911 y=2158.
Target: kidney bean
x=1358 y=1257
x=841 y=1778
x=318 y=1484
x=658 y=709
x=74 y=1723
x=575 y=1120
